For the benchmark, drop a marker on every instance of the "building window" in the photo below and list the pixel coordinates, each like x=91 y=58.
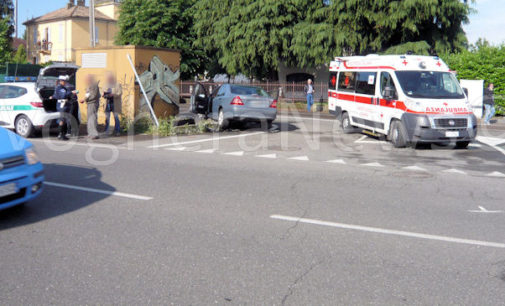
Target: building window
x=61 y=32
x=34 y=35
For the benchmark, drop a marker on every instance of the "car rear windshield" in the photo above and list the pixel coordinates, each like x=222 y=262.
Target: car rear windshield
x=248 y=91
x=430 y=84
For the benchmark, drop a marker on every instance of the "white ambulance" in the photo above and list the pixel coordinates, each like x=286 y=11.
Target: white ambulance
x=408 y=98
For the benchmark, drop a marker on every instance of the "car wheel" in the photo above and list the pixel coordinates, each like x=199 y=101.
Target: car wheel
x=398 y=134
x=23 y=126
x=222 y=123
x=346 y=124
x=462 y=144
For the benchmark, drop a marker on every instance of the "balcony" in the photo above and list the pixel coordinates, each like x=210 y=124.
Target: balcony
x=44 y=47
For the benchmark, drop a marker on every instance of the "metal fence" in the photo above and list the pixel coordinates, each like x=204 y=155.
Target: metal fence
x=288 y=92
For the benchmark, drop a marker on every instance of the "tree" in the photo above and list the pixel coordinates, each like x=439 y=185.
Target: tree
x=20 y=55
x=163 y=24
x=255 y=36
x=6 y=30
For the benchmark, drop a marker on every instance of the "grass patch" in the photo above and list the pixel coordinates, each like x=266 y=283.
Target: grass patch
x=167 y=127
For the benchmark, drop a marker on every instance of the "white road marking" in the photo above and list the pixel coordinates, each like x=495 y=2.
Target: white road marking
x=362 y=140
x=204 y=140
x=389 y=231
x=209 y=151
x=455 y=171
x=267 y=156
x=492 y=142
x=300 y=158
x=485 y=211
x=93 y=190
x=239 y=153
x=176 y=149
x=305 y=118
x=475 y=145
x=337 y=161
x=414 y=168
x=373 y=165
x=496 y=174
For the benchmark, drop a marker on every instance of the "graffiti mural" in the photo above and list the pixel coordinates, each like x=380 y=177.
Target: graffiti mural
x=159 y=80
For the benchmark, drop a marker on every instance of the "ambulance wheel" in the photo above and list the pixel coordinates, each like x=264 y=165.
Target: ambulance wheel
x=398 y=134
x=23 y=126
x=462 y=144
x=346 y=124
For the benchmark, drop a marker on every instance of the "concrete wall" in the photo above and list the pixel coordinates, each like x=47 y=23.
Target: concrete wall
x=117 y=62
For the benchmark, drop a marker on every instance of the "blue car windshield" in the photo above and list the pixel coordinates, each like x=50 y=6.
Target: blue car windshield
x=430 y=84
x=248 y=91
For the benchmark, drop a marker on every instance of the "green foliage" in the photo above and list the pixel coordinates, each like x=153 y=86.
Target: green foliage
x=20 y=55
x=482 y=62
x=419 y=48
x=6 y=30
x=163 y=24
x=255 y=36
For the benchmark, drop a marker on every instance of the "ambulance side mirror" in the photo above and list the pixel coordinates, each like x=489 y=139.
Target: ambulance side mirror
x=389 y=93
x=466 y=91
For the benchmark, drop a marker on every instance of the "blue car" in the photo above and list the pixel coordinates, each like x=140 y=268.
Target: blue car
x=21 y=173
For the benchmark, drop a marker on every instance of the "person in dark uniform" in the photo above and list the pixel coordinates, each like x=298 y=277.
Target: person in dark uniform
x=62 y=95
x=73 y=111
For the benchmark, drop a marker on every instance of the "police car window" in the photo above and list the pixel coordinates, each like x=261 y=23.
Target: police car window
x=12 y=92
x=365 y=83
x=386 y=80
x=347 y=81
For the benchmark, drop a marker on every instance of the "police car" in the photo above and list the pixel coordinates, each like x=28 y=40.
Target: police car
x=21 y=173
x=408 y=98
x=26 y=106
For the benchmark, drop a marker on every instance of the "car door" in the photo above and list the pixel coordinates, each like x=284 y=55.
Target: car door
x=386 y=104
x=366 y=99
x=200 y=100
x=218 y=98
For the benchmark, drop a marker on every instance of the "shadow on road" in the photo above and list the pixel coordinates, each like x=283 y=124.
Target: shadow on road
x=56 y=201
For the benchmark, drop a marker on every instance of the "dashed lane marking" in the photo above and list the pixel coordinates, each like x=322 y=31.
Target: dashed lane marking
x=93 y=190
x=176 y=149
x=496 y=174
x=300 y=158
x=455 y=171
x=337 y=161
x=271 y=156
x=238 y=153
x=209 y=151
x=414 y=168
x=375 y=164
x=384 y=231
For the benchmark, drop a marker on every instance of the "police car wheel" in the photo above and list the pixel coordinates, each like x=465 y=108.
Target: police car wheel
x=398 y=134
x=23 y=126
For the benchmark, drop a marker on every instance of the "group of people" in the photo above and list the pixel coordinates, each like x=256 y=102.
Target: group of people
x=67 y=105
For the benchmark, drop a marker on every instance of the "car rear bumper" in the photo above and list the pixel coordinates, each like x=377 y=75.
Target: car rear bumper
x=257 y=114
x=420 y=128
x=42 y=117
x=27 y=179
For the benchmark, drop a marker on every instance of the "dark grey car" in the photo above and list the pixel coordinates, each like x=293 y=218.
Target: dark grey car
x=231 y=102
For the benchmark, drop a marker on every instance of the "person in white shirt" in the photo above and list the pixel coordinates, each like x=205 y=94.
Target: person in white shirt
x=309 y=92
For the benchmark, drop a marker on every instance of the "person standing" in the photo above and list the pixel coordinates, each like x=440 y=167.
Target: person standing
x=92 y=99
x=112 y=93
x=309 y=92
x=489 y=103
x=62 y=95
x=73 y=122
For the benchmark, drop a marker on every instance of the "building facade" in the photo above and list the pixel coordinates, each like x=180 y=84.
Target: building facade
x=55 y=36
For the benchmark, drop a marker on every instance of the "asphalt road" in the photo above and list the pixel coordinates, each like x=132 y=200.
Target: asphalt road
x=299 y=216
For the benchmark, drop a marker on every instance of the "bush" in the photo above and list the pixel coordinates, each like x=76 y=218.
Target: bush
x=482 y=63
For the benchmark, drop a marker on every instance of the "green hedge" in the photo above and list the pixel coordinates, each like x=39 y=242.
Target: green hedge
x=485 y=63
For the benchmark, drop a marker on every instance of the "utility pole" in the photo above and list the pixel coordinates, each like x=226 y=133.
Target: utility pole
x=92 y=25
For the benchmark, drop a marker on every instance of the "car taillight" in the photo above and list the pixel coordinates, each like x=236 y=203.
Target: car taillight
x=37 y=104
x=237 y=101
x=274 y=104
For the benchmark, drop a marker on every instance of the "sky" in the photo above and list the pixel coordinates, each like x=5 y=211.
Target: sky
x=488 y=22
